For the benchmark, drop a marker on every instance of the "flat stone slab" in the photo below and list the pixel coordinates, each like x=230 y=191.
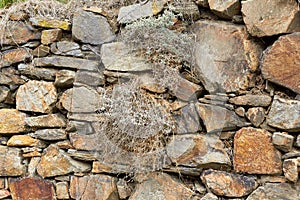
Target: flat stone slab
x=12 y=121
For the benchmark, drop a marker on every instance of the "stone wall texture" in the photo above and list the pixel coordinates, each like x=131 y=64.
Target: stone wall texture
x=115 y=103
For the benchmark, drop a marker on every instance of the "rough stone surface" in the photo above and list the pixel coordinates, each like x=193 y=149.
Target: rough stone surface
x=66 y=48
x=50 y=134
x=32 y=188
x=283 y=141
x=89 y=78
x=198 y=151
x=62 y=190
x=37 y=73
x=65 y=101
x=284 y=69
x=225 y=9
x=36 y=96
x=9 y=76
x=297 y=142
x=266 y=18
x=66 y=62
x=99 y=187
x=252 y=100
x=64 y=78
x=84 y=99
x=290 y=169
x=216 y=118
x=4 y=91
x=188 y=9
x=228 y=184
x=41 y=51
x=55 y=161
x=161 y=186
x=271 y=191
x=12 y=121
x=284 y=114
x=4 y=193
x=51 y=23
x=186 y=90
x=18 y=33
x=22 y=140
x=124 y=189
x=224 y=55
x=209 y=196
x=133 y=12
x=11 y=162
x=50 y=36
x=91 y=28
x=116 y=56
x=256 y=115
x=254 y=152
x=13 y=56
x=46 y=121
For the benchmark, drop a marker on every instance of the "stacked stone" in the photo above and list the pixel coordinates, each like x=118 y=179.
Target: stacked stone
x=237 y=133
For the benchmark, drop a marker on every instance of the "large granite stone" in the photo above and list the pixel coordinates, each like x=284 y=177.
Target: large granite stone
x=11 y=162
x=12 y=121
x=36 y=96
x=284 y=69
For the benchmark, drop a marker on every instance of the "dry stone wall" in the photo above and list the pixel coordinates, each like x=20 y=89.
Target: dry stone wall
x=123 y=107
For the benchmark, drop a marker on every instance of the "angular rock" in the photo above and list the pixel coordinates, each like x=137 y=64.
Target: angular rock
x=256 y=115
x=283 y=141
x=99 y=167
x=36 y=96
x=240 y=111
x=50 y=36
x=290 y=169
x=4 y=193
x=4 y=91
x=99 y=187
x=62 y=190
x=37 y=73
x=123 y=189
x=82 y=155
x=55 y=161
x=216 y=118
x=50 y=134
x=85 y=142
x=41 y=51
x=12 y=121
x=186 y=90
x=202 y=3
x=89 y=78
x=133 y=12
x=224 y=66
x=13 y=56
x=254 y=152
x=116 y=57
x=51 y=23
x=84 y=99
x=66 y=48
x=64 y=78
x=46 y=121
x=66 y=62
x=284 y=69
x=225 y=9
x=22 y=140
x=284 y=114
x=267 y=18
x=32 y=188
x=18 y=33
x=209 y=196
x=10 y=76
x=188 y=9
x=271 y=190
x=297 y=142
x=11 y=162
x=161 y=186
x=271 y=179
x=91 y=28
x=201 y=151
x=228 y=184
x=252 y=100
x=65 y=101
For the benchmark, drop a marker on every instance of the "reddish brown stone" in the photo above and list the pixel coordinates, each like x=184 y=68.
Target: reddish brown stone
x=281 y=63
x=33 y=189
x=252 y=100
x=14 y=56
x=254 y=152
x=256 y=115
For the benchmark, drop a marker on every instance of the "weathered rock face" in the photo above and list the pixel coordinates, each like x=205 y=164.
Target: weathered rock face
x=198 y=151
x=274 y=190
x=133 y=12
x=290 y=169
x=66 y=48
x=32 y=188
x=161 y=186
x=227 y=184
x=64 y=78
x=46 y=121
x=13 y=56
x=4 y=91
x=252 y=100
x=284 y=69
x=91 y=28
x=56 y=162
x=225 y=9
x=12 y=121
x=100 y=187
x=11 y=162
x=283 y=141
x=37 y=73
x=254 y=152
x=284 y=114
x=22 y=140
x=50 y=134
x=62 y=190
x=50 y=36
x=265 y=18
x=36 y=96
x=256 y=115
x=224 y=66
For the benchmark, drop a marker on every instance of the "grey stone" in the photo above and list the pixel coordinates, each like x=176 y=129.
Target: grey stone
x=91 y=28
x=89 y=78
x=116 y=56
x=224 y=66
x=252 y=100
x=124 y=189
x=41 y=51
x=64 y=78
x=284 y=114
x=46 y=121
x=84 y=99
x=290 y=169
x=11 y=162
x=66 y=48
x=50 y=134
x=82 y=155
x=13 y=56
x=66 y=62
x=283 y=141
x=4 y=91
x=37 y=73
x=133 y=12
x=10 y=76
x=216 y=118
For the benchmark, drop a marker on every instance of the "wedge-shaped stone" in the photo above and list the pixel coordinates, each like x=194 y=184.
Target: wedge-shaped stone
x=46 y=121
x=198 y=151
x=284 y=69
x=55 y=162
x=225 y=9
x=51 y=23
x=12 y=121
x=284 y=114
x=254 y=152
x=50 y=134
x=30 y=71
x=133 y=12
x=22 y=140
x=13 y=56
x=11 y=162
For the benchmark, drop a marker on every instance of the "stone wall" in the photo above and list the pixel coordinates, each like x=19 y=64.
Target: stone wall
x=84 y=115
